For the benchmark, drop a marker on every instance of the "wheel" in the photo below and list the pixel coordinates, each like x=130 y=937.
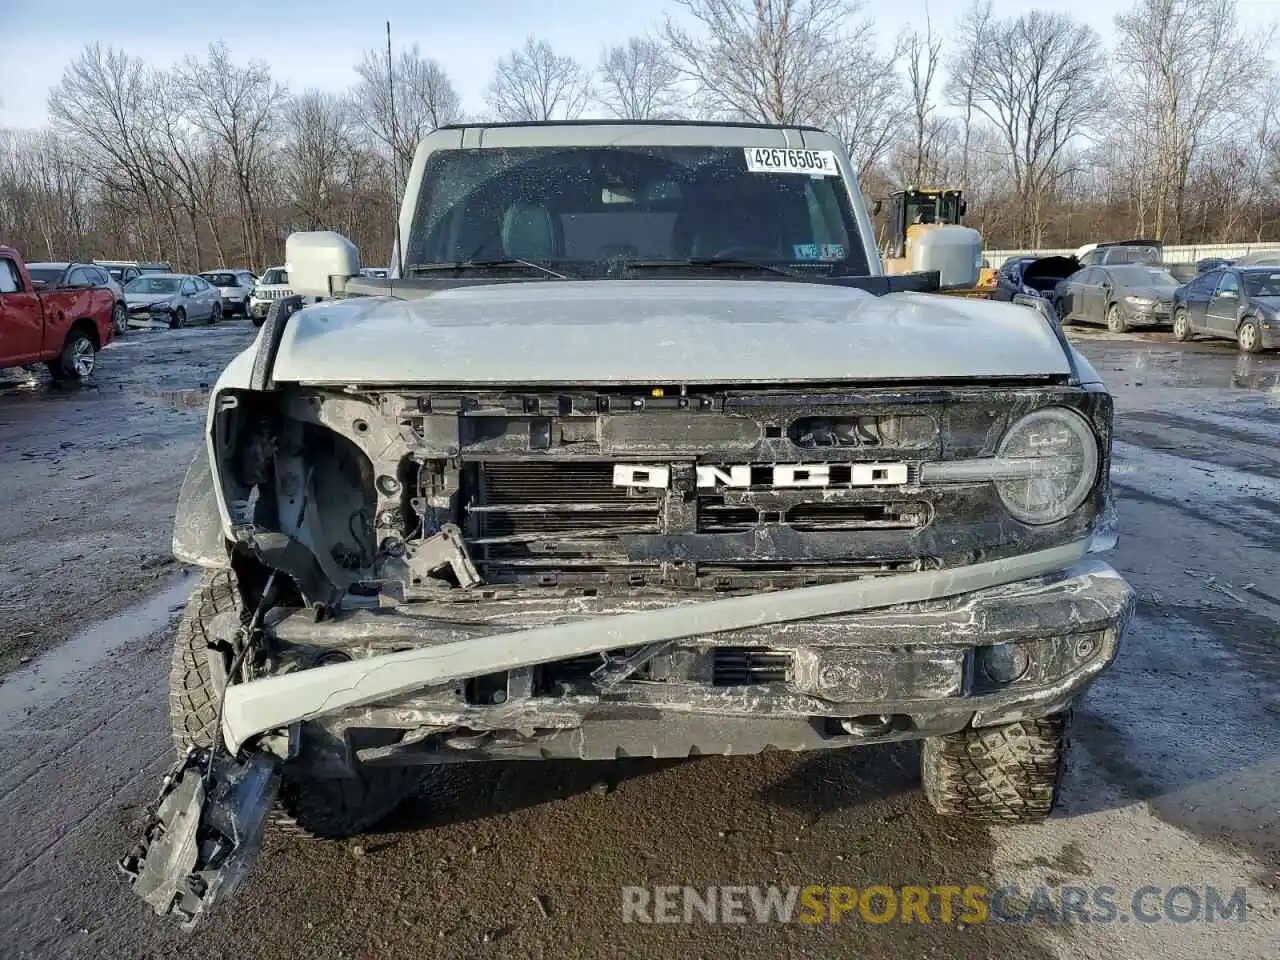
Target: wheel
x=77 y=359
x=1115 y=320
x=178 y=319
x=1181 y=325
x=216 y=314
x=334 y=808
x=319 y=807
x=1249 y=336
x=259 y=321
x=193 y=701
x=120 y=318
x=1005 y=774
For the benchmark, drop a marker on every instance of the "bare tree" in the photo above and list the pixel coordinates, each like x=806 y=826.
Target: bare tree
x=103 y=102
x=425 y=99
x=775 y=61
x=237 y=107
x=534 y=83
x=1039 y=82
x=317 y=127
x=922 y=53
x=639 y=81
x=962 y=67
x=868 y=111
x=1187 y=68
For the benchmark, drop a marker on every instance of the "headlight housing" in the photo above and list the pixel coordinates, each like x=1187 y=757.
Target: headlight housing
x=1140 y=301
x=1051 y=464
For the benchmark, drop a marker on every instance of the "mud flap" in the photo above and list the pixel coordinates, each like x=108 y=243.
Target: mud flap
x=203 y=832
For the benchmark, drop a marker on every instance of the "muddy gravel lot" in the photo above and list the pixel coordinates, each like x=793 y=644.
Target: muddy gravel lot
x=1174 y=781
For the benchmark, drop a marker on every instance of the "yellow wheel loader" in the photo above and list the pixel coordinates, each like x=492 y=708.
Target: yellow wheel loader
x=924 y=223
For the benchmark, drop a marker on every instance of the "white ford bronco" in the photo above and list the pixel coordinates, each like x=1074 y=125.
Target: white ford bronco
x=635 y=453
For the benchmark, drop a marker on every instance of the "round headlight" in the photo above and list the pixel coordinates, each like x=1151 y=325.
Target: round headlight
x=1054 y=453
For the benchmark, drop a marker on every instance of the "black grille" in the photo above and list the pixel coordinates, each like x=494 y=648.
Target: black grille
x=746 y=666
x=531 y=516
x=715 y=515
x=858 y=516
x=551 y=678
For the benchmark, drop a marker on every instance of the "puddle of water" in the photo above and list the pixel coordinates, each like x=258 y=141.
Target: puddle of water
x=54 y=674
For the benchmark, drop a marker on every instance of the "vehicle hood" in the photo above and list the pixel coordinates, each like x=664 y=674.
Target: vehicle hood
x=663 y=332
x=143 y=299
x=1160 y=291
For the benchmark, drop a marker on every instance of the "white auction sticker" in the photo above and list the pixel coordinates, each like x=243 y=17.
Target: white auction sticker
x=816 y=163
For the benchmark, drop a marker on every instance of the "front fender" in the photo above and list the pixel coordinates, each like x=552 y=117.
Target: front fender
x=197 y=525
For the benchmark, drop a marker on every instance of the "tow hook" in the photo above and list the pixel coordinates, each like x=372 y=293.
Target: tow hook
x=203 y=831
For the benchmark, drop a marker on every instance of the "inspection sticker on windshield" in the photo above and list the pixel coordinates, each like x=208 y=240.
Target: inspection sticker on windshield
x=816 y=163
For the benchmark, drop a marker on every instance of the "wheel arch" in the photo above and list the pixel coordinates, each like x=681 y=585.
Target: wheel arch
x=197 y=525
x=89 y=327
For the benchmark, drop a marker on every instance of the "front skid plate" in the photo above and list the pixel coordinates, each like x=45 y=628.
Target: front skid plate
x=203 y=832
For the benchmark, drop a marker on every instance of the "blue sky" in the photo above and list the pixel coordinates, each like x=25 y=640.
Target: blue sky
x=314 y=43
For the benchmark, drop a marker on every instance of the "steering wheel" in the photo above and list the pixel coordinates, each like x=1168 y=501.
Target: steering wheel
x=745 y=251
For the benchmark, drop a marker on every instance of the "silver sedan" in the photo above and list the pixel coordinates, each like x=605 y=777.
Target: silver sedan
x=172 y=299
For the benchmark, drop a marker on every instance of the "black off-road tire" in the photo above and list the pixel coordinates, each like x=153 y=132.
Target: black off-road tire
x=336 y=808
x=1005 y=774
x=308 y=807
x=193 y=702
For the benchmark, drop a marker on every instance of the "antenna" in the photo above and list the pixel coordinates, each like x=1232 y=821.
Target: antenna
x=396 y=192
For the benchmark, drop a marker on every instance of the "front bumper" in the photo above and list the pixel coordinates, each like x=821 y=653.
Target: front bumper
x=149 y=319
x=1154 y=316
x=860 y=670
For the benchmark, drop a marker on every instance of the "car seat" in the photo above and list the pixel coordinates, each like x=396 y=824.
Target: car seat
x=528 y=233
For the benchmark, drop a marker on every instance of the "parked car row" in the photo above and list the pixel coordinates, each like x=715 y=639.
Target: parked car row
x=1124 y=285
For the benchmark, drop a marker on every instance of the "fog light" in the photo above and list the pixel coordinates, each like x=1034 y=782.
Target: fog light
x=1086 y=647
x=1004 y=662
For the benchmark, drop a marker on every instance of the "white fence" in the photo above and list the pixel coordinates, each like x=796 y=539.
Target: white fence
x=1188 y=254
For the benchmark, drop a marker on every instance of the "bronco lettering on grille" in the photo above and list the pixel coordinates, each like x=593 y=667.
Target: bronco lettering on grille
x=777 y=476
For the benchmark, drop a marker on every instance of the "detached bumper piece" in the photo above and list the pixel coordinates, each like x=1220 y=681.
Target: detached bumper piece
x=203 y=832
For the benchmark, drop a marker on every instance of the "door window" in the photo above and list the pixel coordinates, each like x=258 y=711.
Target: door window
x=1230 y=284
x=9 y=282
x=188 y=287
x=79 y=277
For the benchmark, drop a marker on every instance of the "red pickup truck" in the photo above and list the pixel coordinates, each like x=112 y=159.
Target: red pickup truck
x=64 y=327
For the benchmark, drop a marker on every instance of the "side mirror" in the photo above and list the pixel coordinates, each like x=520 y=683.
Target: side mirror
x=964 y=206
x=320 y=262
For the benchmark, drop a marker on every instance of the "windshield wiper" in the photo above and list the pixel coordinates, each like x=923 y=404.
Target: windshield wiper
x=712 y=263
x=460 y=265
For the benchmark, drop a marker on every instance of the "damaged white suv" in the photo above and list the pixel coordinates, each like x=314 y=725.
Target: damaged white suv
x=636 y=454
